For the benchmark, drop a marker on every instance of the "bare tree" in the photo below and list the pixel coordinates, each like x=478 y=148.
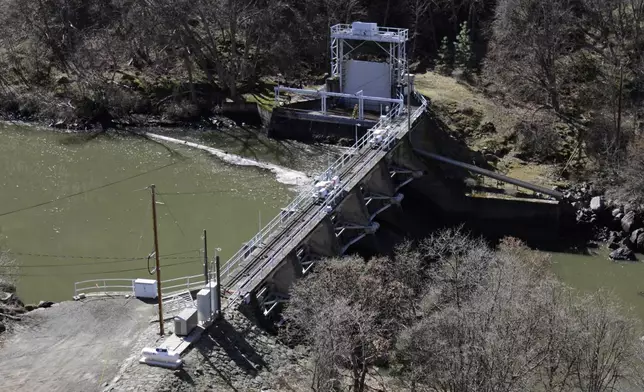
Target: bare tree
x=511 y=326
x=606 y=344
x=530 y=39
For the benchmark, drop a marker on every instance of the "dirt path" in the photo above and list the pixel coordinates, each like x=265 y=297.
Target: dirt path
x=73 y=346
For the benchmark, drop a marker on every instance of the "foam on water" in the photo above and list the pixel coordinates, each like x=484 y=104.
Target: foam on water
x=282 y=174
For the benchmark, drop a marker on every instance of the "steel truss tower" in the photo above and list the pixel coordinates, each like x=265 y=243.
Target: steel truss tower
x=391 y=40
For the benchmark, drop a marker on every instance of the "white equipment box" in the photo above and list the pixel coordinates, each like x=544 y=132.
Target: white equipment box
x=185 y=322
x=204 y=305
x=145 y=288
x=362 y=28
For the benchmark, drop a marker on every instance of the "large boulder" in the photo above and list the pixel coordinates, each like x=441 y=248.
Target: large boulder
x=637 y=239
x=614 y=238
x=5 y=297
x=629 y=222
x=597 y=203
x=45 y=304
x=586 y=216
x=622 y=254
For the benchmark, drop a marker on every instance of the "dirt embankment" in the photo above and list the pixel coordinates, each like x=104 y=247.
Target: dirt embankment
x=72 y=346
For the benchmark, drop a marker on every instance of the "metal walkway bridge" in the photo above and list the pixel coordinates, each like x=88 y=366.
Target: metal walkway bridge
x=248 y=268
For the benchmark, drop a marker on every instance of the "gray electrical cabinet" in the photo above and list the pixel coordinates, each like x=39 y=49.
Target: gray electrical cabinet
x=185 y=322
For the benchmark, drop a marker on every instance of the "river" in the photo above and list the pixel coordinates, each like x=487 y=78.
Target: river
x=74 y=209
x=592 y=271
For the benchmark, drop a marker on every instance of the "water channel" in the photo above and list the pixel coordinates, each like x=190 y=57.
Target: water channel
x=74 y=209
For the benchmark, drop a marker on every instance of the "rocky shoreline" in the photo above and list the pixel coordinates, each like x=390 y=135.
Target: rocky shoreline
x=620 y=225
x=12 y=308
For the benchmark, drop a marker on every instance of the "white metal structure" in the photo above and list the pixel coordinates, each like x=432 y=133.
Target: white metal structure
x=391 y=40
x=324 y=95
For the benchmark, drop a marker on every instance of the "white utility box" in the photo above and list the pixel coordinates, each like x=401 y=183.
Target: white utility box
x=185 y=322
x=362 y=28
x=213 y=287
x=145 y=288
x=204 y=305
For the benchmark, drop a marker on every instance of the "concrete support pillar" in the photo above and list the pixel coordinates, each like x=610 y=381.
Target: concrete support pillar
x=404 y=156
x=378 y=181
x=353 y=209
x=322 y=240
x=286 y=274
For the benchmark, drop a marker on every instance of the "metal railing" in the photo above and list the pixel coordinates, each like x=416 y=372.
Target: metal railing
x=169 y=287
x=96 y=286
x=342 y=29
x=188 y=283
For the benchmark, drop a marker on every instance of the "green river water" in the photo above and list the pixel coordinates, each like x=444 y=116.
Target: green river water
x=70 y=239
x=67 y=240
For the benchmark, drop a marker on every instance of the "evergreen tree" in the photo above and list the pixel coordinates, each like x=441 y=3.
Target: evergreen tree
x=463 y=48
x=445 y=60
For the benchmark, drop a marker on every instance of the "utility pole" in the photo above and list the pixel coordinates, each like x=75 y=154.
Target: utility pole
x=156 y=255
x=205 y=267
x=218 y=297
x=408 y=98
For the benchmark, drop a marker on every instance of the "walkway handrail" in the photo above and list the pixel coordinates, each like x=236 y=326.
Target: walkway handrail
x=118 y=286
x=189 y=283
x=126 y=286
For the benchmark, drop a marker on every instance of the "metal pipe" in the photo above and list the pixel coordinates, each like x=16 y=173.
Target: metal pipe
x=491 y=174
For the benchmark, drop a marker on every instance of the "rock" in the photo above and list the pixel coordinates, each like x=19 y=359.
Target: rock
x=596 y=203
x=491 y=158
x=614 y=237
x=622 y=254
x=585 y=215
x=59 y=124
x=637 y=239
x=30 y=307
x=45 y=304
x=629 y=222
x=2 y=328
x=5 y=297
x=487 y=128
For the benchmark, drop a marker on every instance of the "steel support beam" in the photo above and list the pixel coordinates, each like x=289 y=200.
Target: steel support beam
x=491 y=174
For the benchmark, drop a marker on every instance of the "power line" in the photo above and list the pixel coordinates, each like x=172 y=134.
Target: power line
x=192 y=261
x=168 y=256
x=86 y=190
x=197 y=192
x=90 y=264
x=176 y=222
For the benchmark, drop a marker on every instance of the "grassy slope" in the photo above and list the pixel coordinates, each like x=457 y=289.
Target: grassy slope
x=469 y=114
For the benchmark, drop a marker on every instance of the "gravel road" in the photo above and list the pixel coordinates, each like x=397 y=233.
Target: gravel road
x=72 y=346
